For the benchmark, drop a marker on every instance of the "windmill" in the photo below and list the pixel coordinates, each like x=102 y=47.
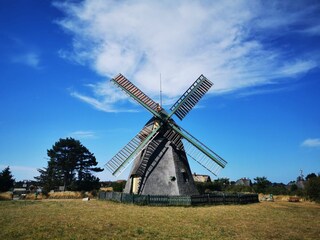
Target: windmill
x=160 y=149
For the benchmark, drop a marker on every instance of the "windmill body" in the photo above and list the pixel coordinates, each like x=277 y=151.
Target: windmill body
x=161 y=169
x=160 y=149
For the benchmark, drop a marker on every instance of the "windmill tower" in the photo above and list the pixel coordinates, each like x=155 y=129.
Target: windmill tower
x=160 y=149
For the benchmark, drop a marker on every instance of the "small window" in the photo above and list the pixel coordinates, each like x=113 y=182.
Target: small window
x=172 y=178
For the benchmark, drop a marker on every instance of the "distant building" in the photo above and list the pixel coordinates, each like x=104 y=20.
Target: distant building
x=243 y=182
x=300 y=184
x=300 y=181
x=201 y=178
x=19 y=191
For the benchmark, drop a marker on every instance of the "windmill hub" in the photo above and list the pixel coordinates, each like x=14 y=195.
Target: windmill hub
x=160 y=149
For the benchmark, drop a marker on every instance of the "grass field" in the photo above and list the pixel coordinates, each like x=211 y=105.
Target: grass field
x=76 y=219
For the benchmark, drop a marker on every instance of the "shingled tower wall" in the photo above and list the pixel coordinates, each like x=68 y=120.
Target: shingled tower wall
x=161 y=169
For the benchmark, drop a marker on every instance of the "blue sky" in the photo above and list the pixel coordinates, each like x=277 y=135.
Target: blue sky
x=262 y=114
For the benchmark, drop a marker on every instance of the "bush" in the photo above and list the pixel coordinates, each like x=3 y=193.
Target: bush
x=239 y=188
x=277 y=189
x=312 y=189
x=45 y=192
x=207 y=187
x=94 y=193
x=118 y=186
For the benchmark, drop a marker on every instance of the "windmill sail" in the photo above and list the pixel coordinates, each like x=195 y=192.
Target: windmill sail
x=203 y=159
x=174 y=137
x=125 y=156
x=149 y=150
x=161 y=148
x=190 y=98
x=199 y=152
x=134 y=92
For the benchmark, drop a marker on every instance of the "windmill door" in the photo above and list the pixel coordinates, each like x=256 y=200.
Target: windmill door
x=135 y=184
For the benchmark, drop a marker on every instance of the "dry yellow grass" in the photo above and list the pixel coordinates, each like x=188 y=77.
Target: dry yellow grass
x=53 y=195
x=284 y=198
x=106 y=189
x=65 y=195
x=280 y=198
x=32 y=196
x=75 y=219
x=5 y=195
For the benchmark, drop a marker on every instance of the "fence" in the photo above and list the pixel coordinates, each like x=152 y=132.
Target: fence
x=164 y=200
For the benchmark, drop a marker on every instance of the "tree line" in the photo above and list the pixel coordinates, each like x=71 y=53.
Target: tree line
x=310 y=190
x=71 y=166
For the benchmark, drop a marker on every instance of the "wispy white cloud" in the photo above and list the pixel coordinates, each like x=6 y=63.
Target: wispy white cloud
x=104 y=97
x=311 y=142
x=30 y=59
x=260 y=90
x=83 y=134
x=93 y=102
x=313 y=30
x=227 y=41
x=296 y=68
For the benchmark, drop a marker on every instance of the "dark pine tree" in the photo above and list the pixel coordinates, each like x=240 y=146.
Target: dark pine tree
x=70 y=165
x=6 y=180
x=49 y=177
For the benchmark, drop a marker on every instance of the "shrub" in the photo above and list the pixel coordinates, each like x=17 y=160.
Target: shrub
x=94 y=193
x=312 y=189
x=239 y=188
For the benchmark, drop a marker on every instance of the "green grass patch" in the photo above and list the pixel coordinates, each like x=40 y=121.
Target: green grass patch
x=76 y=219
